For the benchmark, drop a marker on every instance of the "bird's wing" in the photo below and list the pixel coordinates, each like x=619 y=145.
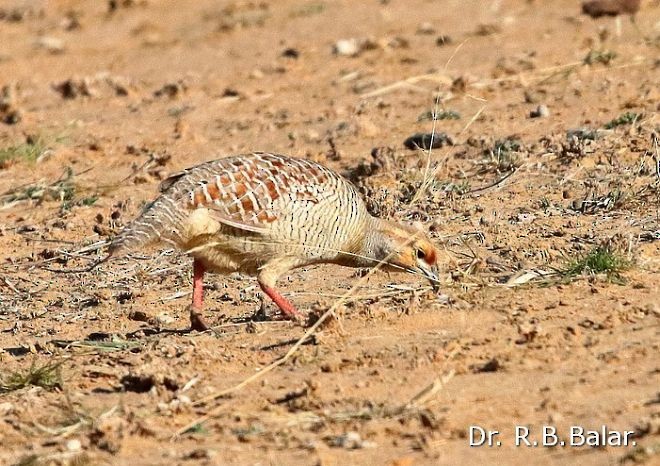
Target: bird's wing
x=167 y=183
x=251 y=192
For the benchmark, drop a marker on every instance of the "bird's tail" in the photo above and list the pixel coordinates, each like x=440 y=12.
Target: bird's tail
x=159 y=221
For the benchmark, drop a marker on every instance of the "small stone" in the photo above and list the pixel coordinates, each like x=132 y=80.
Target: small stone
x=164 y=319
x=329 y=367
x=73 y=445
x=51 y=44
x=231 y=92
x=427 y=141
x=171 y=90
x=312 y=136
x=139 y=316
x=487 y=29
x=575 y=331
x=541 y=111
x=393 y=43
x=74 y=87
x=443 y=40
x=350 y=441
x=493 y=365
x=199 y=454
x=70 y=22
x=425 y=29
x=9 y=114
x=291 y=53
x=347 y=47
x=598 y=8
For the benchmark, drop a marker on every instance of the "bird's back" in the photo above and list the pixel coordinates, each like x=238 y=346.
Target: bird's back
x=262 y=203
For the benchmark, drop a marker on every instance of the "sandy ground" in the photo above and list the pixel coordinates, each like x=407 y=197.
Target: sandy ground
x=101 y=100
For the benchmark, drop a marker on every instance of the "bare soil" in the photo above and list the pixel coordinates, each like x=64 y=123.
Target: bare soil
x=101 y=100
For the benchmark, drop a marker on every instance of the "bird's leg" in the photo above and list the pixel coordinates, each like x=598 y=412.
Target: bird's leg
x=285 y=306
x=196 y=320
x=268 y=275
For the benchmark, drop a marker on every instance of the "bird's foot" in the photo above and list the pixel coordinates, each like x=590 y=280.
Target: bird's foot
x=293 y=315
x=263 y=315
x=296 y=318
x=196 y=320
x=288 y=310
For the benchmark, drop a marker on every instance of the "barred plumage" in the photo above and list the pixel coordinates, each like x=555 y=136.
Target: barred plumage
x=264 y=214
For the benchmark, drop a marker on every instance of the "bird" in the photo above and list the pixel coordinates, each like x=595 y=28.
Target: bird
x=264 y=214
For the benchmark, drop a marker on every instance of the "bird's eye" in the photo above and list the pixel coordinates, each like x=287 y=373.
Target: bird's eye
x=421 y=254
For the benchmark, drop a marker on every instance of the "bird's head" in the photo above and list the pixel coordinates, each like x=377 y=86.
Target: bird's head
x=404 y=248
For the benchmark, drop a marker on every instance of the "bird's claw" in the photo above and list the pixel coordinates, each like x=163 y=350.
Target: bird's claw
x=197 y=321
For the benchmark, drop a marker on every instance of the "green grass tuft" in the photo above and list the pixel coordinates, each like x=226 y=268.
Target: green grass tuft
x=601 y=259
x=30 y=151
x=47 y=376
x=197 y=429
x=503 y=155
x=627 y=118
x=89 y=201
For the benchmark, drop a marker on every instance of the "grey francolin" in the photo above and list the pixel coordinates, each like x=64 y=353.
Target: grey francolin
x=265 y=214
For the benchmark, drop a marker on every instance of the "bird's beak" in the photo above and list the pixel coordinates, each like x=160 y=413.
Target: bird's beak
x=431 y=272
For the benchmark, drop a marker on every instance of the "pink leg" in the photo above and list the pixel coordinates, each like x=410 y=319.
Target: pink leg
x=285 y=306
x=196 y=320
x=198 y=284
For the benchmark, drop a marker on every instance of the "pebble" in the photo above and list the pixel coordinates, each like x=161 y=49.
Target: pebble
x=200 y=454
x=351 y=441
x=347 y=47
x=164 y=319
x=139 y=316
x=74 y=445
x=256 y=74
x=598 y=8
x=291 y=53
x=51 y=44
x=425 y=29
x=443 y=40
x=426 y=141
x=542 y=111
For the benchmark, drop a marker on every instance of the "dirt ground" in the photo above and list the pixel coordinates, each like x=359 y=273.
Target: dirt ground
x=545 y=118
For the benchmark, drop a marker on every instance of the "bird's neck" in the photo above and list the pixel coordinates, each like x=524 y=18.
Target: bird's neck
x=369 y=248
